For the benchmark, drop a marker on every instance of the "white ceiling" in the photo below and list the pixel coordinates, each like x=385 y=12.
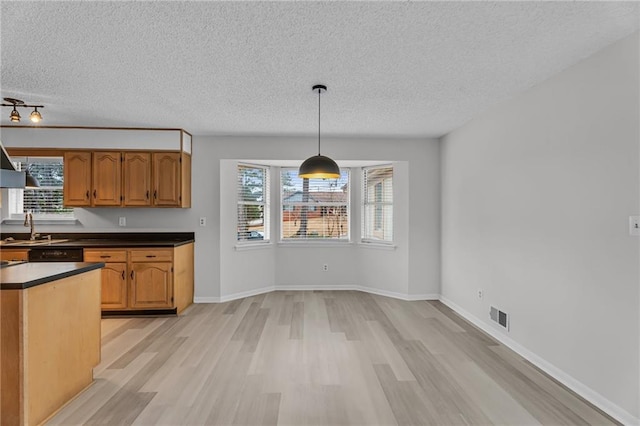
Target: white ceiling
x=392 y=68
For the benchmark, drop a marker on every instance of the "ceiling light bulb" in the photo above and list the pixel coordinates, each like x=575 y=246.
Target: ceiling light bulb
x=35 y=116
x=15 y=116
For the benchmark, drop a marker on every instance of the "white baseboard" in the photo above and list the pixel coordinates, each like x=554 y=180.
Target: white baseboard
x=255 y=292
x=578 y=387
x=199 y=299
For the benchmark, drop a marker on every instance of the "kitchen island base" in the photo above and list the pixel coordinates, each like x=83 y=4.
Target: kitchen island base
x=50 y=343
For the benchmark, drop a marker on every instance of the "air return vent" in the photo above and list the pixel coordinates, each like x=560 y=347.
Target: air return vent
x=500 y=317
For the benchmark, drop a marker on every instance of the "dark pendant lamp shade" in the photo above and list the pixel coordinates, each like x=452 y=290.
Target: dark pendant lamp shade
x=319 y=166
x=30 y=181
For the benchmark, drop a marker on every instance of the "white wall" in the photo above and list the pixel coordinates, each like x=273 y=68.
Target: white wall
x=536 y=195
x=287 y=266
x=413 y=269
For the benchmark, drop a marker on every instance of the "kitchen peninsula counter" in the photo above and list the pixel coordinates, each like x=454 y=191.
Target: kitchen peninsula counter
x=50 y=337
x=27 y=275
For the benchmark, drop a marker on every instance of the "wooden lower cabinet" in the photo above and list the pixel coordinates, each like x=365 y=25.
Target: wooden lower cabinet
x=14 y=254
x=151 y=285
x=114 y=286
x=136 y=279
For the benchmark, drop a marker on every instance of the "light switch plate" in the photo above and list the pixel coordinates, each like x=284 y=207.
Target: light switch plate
x=122 y=221
x=634 y=226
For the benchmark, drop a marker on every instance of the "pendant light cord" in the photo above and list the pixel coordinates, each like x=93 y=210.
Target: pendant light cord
x=319 y=91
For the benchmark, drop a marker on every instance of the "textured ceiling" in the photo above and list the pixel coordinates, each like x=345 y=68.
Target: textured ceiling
x=392 y=68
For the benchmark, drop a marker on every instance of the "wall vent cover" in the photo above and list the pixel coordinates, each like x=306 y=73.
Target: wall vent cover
x=500 y=317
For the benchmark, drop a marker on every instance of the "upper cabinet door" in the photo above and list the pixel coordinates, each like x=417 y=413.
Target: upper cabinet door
x=137 y=179
x=107 y=178
x=77 y=179
x=166 y=179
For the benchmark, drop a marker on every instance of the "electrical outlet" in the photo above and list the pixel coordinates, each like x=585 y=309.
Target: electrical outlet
x=325 y=267
x=122 y=221
x=203 y=221
x=480 y=293
x=634 y=225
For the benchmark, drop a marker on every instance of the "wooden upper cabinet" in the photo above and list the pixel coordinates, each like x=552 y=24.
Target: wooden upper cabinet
x=166 y=179
x=127 y=179
x=186 y=180
x=137 y=178
x=77 y=179
x=107 y=178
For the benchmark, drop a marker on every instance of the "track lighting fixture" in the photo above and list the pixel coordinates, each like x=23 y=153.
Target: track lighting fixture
x=319 y=166
x=35 y=116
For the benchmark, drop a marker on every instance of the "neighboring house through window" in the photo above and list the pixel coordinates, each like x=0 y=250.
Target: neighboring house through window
x=253 y=203
x=377 y=205
x=314 y=208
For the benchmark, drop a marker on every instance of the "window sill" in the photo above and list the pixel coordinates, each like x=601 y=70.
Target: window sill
x=253 y=246
x=64 y=222
x=377 y=246
x=315 y=244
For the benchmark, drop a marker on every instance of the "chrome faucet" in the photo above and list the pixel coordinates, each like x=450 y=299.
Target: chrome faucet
x=28 y=221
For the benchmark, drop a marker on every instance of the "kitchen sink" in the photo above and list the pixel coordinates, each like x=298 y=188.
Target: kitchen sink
x=31 y=242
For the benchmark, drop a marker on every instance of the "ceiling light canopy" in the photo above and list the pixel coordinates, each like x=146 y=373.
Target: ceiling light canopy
x=319 y=166
x=35 y=116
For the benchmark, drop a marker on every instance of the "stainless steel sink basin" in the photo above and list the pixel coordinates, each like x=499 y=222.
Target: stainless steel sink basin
x=31 y=242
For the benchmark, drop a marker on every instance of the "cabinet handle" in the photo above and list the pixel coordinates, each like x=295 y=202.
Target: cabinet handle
x=105 y=257
x=94 y=194
x=87 y=194
x=147 y=194
x=131 y=274
x=151 y=255
x=123 y=275
x=155 y=194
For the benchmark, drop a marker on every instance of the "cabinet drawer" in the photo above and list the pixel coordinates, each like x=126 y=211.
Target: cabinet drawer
x=105 y=256
x=12 y=255
x=153 y=255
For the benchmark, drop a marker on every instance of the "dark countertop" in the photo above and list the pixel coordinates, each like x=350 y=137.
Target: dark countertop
x=94 y=240
x=26 y=275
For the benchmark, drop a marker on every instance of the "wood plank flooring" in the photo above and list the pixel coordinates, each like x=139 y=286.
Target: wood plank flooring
x=311 y=358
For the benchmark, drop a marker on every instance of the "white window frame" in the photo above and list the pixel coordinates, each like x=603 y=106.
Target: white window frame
x=378 y=205
x=315 y=240
x=266 y=205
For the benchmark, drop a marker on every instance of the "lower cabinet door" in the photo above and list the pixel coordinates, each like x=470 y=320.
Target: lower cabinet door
x=151 y=285
x=114 y=286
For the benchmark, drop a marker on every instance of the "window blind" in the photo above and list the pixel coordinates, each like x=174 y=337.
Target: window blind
x=377 y=205
x=253 y=203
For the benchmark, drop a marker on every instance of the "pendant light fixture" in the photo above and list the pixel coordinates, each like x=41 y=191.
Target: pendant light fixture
x=319 y=166
x=30 y=181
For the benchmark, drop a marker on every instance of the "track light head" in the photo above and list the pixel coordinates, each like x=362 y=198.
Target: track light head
x=35 y=116
x=15 y=115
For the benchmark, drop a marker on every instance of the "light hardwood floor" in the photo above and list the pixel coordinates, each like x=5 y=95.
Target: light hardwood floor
x=322 y=357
